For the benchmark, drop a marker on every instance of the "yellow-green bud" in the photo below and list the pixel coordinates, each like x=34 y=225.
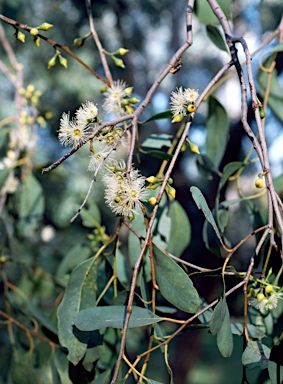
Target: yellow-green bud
x=41 y=121
x=52 y=62
x=259 y=183
x=129 y=90
x=117 y=199
x=34 y=31
x=20 y=36
x=79 y=42
x=3 y=259
x=124 y=102
x=172 y=192
x=134 y=100
x=151 y=179
x=152 y=186
x=30 y=88
x=129 y=109
x=194 y=148
x=269 y=288
x=118 y=62
x=121 y=51
x=48 y=115
x=170 y=181
x=45 y=26
x=191 y=108
x=63 y=61
x=262 y=113
x=152 y=200
x=103 y=88
x=260 y=297
x=36 y=41
x=177 y=118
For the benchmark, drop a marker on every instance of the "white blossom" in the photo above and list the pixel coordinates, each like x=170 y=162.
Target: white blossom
x=124 y=191
x=180 y=100
x=86 y=114
x=113 y=98
x=101 y=154
x=70 y=132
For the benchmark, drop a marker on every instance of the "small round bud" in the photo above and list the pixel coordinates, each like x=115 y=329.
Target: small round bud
x=134 y=100
x=103 y=88
x=30 y=88
x=48 y=115
x=170 y=181
x=262 y=113
x=152 y=200
x=260 y=297
x=129 y=90
x=269 y=288
x=36 y=41
x=129 y=109
x=34 y=31
x=20 y=36
x=191 y=108
x=3 y=260
x=259 y=183
x=117 y=199
x=79 y=42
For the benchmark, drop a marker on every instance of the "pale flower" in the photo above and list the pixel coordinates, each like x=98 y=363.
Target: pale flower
x=101 y=154
x=86 y=114
x=47 y=233
x=70 y=133
x=124 y=192
x=180 y=100
x=113 y=98
x=11 y=184
x=270 y=303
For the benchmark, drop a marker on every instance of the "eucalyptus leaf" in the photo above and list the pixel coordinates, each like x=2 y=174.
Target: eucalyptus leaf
x=158 y=154
x=91 y=216
x=162 y=115
x=217 y=125
x=174 y=283
x=157 y=141
x=275 y=372
x=80 y=294
x=205 y=13
x=256 y=354
x=216 y=37
x=202 y=204
x=220 y=326
x=113 y=316
x=31 y=205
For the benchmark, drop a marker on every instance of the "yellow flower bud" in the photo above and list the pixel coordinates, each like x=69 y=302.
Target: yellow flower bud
x=194 y=148
x=269 y=288
x=103 y=88
x=191 y=108
x=151 y=179
x=118 y=62
x=129 y=109
x=30 y=120
x=41 y=121
x=22 y=91
x=259 y=183
x=36 y=41
x=63 y=61
x=45 y=26
x=48 y=115
x=260 y=297
x=134 y=100
x=34 y=31
x=152 y=200
x=177 y=118
x=172 y=192
x=117 y=199
x=79 y=42
x=52 y=62
x=129 y=90
x=20 y=36
x=121 y=51
x=30 y=88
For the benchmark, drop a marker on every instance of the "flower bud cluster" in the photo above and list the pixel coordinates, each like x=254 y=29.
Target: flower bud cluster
x=182 y=103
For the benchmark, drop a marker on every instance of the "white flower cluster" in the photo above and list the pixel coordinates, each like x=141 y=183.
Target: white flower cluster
x=270 y=303
x=124 y=190
x=117 y=99
x=181 y=99
x=77 y=131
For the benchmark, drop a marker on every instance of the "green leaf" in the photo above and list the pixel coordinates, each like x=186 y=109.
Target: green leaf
x=179 y=239
x=275 y=97
x=202 y=204
x=163 y=115
x=174 y=284
x=22 y=370
x=256 y=354
x=76 y=255
x=91 y=216
x=62 y=366
x=278 y=184
x=158 y=141
x=3 y=176
x=216 y=37
x=205 y=13
x=229 y=170
x=253 y=331
x=80 y=294
x=217 y=125
x=31 y=205
x=113 y=317
x=158 y=154
x=274 y=371
x=221 y=327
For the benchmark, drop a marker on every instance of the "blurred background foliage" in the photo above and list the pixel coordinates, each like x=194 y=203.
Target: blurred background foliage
x=152 y=31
